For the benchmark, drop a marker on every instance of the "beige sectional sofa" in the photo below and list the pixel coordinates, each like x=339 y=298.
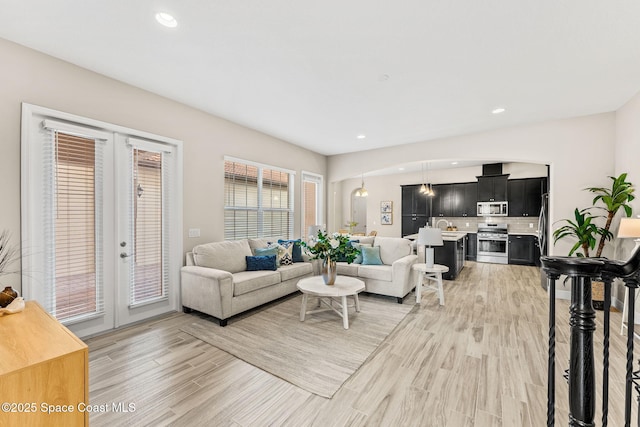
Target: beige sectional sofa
x=215 y=279
x=394 y=277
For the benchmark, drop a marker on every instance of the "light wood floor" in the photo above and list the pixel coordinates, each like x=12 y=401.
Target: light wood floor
x=481 y=360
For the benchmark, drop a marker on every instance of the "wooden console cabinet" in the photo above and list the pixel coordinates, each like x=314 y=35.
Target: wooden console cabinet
x=44 y=371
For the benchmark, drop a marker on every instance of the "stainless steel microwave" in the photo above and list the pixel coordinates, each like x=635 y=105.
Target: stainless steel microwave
x=493 y=208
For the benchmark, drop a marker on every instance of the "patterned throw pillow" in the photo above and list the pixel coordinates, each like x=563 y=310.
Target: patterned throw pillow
x=285 y=254
x=297 y=249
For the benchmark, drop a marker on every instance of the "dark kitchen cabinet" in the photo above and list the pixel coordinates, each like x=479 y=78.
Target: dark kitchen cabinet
x=472 y=246
x=464 y=199
x=412 y=223
x=523 y=249
x=454 y=200
x=492 y=188
x=450 y=254
x=442 y=204
x=525 y=196
x=415 y=209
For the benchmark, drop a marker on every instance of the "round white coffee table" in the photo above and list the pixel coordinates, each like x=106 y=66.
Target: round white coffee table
x=430 y=273
x=329 y=294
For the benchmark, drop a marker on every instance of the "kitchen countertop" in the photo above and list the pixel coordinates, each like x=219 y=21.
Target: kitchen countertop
x=449 y=236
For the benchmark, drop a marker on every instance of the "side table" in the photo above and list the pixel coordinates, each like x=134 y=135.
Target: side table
x=432 y=274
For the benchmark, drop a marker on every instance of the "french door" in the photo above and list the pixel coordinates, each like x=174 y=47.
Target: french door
x=101 y=221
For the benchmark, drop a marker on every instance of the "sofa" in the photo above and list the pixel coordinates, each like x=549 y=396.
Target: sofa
x=223 y=279
x=389 y=271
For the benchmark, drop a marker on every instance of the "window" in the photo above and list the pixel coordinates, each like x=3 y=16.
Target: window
x=311 y=201
x=258 y=200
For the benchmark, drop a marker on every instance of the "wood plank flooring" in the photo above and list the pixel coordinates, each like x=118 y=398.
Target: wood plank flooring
x=481 y=360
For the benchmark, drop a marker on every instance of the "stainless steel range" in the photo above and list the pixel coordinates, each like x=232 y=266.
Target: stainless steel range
x=493 y=243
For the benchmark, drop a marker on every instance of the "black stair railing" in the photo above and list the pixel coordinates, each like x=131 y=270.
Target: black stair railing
x=581 y=372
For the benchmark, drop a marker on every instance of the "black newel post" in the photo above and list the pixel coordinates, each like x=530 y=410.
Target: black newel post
x=582 y=323
x=551 y=368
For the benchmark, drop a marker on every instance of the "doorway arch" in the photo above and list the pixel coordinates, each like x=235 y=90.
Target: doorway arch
x=358 y=212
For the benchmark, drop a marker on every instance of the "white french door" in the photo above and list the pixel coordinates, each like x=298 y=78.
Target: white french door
x=101 y=222
x=144 y=219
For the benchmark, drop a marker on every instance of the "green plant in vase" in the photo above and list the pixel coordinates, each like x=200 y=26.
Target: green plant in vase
x=331 y=248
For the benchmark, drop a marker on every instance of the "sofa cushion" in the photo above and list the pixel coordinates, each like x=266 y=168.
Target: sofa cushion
x=248 y=281
x=345 y=269
x=359 y=246
x=259 y=243
x=296 y=253
x=393 y=248
x=371 y=256
x=297 y=269
x=369 y=240
x=378 y=272
x=263 y=262
x=228 y=255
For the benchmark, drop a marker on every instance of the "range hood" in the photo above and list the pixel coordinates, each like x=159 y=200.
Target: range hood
x=492 y=169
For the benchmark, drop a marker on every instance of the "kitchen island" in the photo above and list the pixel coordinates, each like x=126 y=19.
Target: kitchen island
x=452 y=254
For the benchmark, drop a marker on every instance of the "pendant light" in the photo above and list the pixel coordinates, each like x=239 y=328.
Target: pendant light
x=362 y=192
x=430 y=191
x=423 y=187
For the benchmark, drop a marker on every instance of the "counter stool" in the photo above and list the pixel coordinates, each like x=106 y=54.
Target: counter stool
x=430 y=273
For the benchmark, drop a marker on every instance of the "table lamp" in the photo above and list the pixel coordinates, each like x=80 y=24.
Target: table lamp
x=630 y=228
x=313 y=232
x=429 y=237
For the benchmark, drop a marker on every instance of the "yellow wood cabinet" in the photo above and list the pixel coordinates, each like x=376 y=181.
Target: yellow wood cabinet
x=44 y=371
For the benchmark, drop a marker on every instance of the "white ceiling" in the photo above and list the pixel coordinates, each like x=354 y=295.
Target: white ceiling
x=317 y=74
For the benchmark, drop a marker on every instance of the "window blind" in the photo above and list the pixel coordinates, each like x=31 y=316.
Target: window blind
x=149 y=222
x=258 y=201
x=73 y=218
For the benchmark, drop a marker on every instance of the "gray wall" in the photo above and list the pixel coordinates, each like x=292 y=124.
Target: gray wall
x=32 y=77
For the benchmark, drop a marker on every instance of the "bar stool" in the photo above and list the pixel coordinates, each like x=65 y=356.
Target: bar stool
x=432 y=274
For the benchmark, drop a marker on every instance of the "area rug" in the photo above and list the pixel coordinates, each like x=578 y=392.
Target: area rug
x=317 y=355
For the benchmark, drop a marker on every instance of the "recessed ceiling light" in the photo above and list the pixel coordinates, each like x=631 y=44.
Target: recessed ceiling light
x=361 y=136
x=498 y=110
x=166 y=19
x=400 y=169
x=454 y=163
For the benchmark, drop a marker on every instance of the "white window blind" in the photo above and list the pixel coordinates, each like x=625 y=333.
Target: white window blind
x=73 y=285
x=148 y=218
x=258 y=201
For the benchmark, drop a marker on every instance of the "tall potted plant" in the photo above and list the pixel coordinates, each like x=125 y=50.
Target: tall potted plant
x=618 y=196
x=586 y=232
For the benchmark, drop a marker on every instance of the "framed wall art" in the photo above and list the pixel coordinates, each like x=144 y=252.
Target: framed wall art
x=386 y=218
x=386 y=207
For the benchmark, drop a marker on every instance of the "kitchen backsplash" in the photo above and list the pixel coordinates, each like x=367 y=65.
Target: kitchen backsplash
x=470 y=224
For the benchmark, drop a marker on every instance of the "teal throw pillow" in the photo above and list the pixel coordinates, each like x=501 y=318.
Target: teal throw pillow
x=371 y=255
x=358 y=259
x=267 y=251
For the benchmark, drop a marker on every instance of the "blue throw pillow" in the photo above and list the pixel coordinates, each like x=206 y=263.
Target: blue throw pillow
x=371 y=256
x=358 y=259
x=296 y=254
x=261 y=262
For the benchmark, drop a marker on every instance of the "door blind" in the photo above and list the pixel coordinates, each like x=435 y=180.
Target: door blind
x=74 y=246
x=148 y=222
